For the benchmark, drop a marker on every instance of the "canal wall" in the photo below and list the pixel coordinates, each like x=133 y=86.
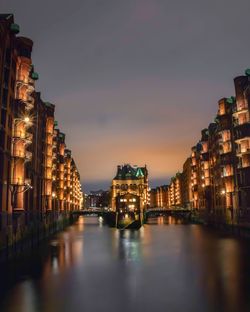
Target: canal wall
x=223 y=223
x=22 y=236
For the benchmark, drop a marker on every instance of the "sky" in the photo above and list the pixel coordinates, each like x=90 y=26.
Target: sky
x=134 y=81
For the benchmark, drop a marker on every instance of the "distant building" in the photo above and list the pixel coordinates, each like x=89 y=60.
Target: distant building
x=132 y=180
x=97 y=199
x=187 y=183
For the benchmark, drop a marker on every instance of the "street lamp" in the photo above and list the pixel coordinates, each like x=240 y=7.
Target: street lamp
x=223 y=192
x=26 y=119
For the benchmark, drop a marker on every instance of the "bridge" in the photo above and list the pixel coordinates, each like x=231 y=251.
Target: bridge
x=149 y=213
x=172 y=211
x=94 y=211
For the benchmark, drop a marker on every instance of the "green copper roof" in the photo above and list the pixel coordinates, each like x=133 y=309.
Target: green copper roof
x=231 y=100
x=48 y=104
x=247 y=72
x=61 y=135
x=15 y=28
x=130 y=172
x=139 y=173
x=35 y=76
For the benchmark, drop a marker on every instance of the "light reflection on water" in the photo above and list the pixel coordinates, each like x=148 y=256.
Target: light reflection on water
x=163 y=266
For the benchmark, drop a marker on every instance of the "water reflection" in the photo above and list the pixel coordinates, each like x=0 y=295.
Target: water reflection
x=91 y=267
x=129 y=245
x=163 y=220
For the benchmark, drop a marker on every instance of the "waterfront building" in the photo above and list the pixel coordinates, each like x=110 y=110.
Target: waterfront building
x=130 y=195
x=152 y=198
x=58 y=164
x=133 y=180
x=195 y=174
x=215 y=180
x=39 y=180
x=22 y=137
x=162 y=196
x=204 y=187
x=98 y=199
x=8 y=59
x=186 y=188
x=68 y=187
x=241 y=119
x=222 y=162
x=175 y=191
x=76 y=198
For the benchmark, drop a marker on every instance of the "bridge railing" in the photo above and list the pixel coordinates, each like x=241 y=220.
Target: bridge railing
x=161 y=209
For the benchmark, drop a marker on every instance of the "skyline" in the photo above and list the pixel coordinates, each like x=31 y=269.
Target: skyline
x=117 y=81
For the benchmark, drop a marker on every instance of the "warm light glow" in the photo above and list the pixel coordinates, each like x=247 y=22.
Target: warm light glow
x=223 y=192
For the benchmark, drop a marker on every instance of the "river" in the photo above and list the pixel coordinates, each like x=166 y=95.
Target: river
x=165 y=266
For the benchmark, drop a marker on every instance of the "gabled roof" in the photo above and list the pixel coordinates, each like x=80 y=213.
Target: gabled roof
x=128 y=172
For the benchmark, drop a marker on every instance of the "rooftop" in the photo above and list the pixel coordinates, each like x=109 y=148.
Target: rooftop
x=128 y=172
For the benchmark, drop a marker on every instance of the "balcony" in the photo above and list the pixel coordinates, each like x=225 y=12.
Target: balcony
x=18 y=181
x=242 y=131
x=225 y=147
x=244 y=161
x=29 y=137
x=227 y=171
x=19 y=153
x=242 y=151
x=226 y=159
x=19 y=135
x=240 y=110
x=28 y=156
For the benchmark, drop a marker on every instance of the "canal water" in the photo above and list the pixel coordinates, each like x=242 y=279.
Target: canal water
x=165 y=266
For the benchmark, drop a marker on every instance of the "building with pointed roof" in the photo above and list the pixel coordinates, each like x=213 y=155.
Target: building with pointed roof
x=131 y=180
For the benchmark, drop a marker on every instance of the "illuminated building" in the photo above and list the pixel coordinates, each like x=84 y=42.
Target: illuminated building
x=8 y=58
x=133 y=180
x=175 y=191
x=67 y=178
x=66 y=185
x=222 y=161
x=22 y=123
x=98 y=199
x=39 y=170
x=162 y=199
x=195 y=167
x=58 y=165
x=216 y=178
x=130 y=195
x=32 y=152
x=76 y=199
x=241 y=118
x=204 y=172
x=186 y=188
x=152 y=198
